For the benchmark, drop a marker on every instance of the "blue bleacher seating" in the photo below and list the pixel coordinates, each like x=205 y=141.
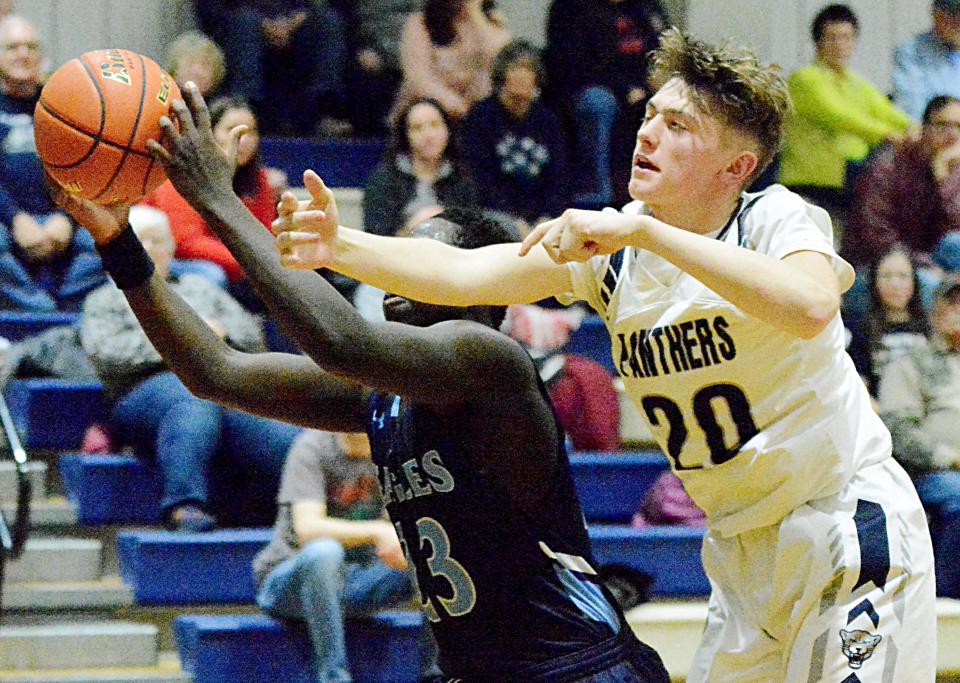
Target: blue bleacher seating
x=592 y=340
x=669 y=554
x=54 y=413
x=255 y=648
x=171 y=568
x=341 y=163
x=18 y=325
x=111 y=489
x=612 y=485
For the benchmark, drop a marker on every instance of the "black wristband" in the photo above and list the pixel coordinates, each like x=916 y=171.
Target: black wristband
x=126 y=261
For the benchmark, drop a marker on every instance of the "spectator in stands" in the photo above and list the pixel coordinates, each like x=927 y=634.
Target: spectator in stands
x=511 y=142
x=45 y=265
x=596 y=63
x=374 y=73
x=334 y=552
x=193 y=56
x=920 y=403
x=446 y=52
x=838 y=116
x=420 y=170
x=929 y=65
x=910 y=194
x=285 y=57
x=896 y=320
x=258 y=186
x=155 y=413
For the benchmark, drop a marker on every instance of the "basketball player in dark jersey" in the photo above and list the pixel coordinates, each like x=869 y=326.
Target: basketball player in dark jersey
x=470 y=456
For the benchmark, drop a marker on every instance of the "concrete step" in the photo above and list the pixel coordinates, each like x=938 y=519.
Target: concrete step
x=674 y=629
x=61 y=646
x=49 y=512
x=108 y=592
x=57 y=559
x=36 y=472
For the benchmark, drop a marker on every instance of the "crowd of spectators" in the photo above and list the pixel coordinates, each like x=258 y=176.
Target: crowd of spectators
x=473 y=117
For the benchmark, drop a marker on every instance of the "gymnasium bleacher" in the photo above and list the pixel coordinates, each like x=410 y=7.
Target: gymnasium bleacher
x=102 y=595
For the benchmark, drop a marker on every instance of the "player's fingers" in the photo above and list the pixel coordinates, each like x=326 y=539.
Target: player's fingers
x=233 y=141
x=288 y=203
x=201 y=115
x=183 y=115
x=535 y=235
x=316 y=187
x=158 y=151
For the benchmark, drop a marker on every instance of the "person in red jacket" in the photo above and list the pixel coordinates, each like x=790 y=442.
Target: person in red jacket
x=257 y=186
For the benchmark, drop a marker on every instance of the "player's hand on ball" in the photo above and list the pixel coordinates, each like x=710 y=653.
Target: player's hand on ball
x=307 y=230
x=198 y=167
x=104 y=222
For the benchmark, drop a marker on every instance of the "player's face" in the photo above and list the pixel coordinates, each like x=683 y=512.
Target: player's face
x=836 y=44
x=19 y=53
x=895 y=282
x=248 y=143
x=680 y=153
x=399 y=309
x=427 y=132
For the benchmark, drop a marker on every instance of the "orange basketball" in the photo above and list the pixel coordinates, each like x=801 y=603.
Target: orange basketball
x=93 y=121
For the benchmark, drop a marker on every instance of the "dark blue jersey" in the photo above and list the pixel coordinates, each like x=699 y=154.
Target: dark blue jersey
x=509 y=594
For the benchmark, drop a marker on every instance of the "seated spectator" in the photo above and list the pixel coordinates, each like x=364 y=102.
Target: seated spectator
x=45 y=265
x=193 y=56
x=257 y=187
x=596 y=62
x=920 y=402
x=155 y=413
x=896 y=320
x=909 y=194
x=446 y=52
x=421 y=169
x=285 y=57
x=334 y=553
x=374 y=73
x=838 y=116
x=929 y=64
x=512 y=144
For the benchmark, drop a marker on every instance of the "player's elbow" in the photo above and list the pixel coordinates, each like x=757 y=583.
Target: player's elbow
x=819 y=308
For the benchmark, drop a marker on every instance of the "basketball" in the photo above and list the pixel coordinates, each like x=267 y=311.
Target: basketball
x=93 y=120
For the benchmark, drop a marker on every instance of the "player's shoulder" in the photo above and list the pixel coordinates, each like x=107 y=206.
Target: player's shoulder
x=772 y=201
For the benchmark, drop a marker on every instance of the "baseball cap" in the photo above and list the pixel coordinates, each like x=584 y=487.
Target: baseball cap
x=948 y=285
x=948 y=6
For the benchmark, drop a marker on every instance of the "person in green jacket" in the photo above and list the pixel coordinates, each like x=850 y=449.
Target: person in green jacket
x=838 y=115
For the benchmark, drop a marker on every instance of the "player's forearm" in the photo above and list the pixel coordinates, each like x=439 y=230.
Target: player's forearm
x=308 y=309
x=773 y=290
x=433 y=272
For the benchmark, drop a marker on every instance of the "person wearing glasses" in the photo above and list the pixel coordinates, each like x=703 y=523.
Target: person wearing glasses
x=909 y=193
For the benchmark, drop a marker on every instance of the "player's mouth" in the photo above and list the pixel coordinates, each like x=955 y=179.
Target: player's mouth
x=642 y=163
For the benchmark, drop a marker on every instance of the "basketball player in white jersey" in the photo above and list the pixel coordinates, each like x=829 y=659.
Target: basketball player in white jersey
x=722 y=308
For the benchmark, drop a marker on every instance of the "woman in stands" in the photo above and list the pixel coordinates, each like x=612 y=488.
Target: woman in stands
x=896 y=320
x=258 y=187
x=420 y=170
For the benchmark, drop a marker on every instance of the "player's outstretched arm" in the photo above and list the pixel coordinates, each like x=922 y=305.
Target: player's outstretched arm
x=424 y=270
x=282 y=386
x=437 y=364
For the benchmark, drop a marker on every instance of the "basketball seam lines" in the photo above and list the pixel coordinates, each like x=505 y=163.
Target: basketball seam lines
x=97 y=140
x=63 y=119
x=133 y=133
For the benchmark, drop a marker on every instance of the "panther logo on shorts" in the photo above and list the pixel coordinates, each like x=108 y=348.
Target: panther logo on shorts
x=858 y=646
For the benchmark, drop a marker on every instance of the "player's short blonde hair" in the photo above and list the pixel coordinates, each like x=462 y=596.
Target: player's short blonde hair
x=730 y=84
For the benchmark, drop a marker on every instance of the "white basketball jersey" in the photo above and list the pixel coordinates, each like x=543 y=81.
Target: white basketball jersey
x=755 y=420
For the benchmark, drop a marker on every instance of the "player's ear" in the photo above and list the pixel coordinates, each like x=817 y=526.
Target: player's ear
x=742 y=167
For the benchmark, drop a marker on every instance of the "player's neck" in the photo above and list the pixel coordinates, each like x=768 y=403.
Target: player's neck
x=701 y=217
